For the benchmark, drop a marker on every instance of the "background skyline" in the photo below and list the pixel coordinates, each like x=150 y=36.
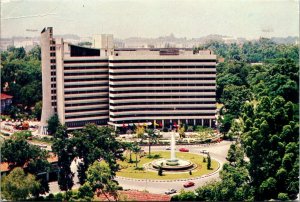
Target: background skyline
x=137 y=18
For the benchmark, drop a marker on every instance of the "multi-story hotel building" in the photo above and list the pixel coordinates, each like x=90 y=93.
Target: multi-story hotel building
x=120 y=87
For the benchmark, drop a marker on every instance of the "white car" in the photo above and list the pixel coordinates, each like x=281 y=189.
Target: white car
x=172 y=191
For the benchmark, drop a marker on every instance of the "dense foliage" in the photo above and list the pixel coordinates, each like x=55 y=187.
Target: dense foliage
x=91 y=144
x=260 y=108
x=253 y=52
x=18 y=186
x=19 y=153
x=271 y=132
x=99 y=180
x=63 y=148
x=21 y=77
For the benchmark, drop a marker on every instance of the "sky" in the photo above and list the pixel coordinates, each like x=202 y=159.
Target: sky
x=152 y=18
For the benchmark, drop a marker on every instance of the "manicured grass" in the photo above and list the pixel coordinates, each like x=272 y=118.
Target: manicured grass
x=128 y=169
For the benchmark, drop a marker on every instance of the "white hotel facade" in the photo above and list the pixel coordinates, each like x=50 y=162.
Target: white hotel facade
x=121 y=87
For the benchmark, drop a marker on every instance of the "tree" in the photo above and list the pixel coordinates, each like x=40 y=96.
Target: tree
x=234 y=97
x=139 y=131
x=160 y=171
x=186 y=196
x=17 y=185
x=231 y=156
x=181 y=131
x=208 y=162
x=226 y=123
x=234 y=185
x=264 y=98
x=63 y=148
x=136 y=150
x=24 y=154
x=35 y=53
x=270 y=139
x=100 y=180
x=53 y=124
x=152 y=137
x=27 y=156
x=129 y=146
x=21 y=77
x=96 y=143
x=37 y=111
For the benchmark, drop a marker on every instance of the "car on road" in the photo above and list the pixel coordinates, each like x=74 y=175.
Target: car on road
x=184 y=150
x=188 y=184
x=204 y=152
x=171 y=191
x=168 y=148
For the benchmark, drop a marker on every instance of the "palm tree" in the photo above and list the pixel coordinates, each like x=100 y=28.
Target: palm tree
x=152 y=138
x=136 y=149
x=129 y=147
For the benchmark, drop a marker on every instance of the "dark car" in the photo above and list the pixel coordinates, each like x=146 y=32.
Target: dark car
x=184 y=150
x=172 y=191
x=188 y=184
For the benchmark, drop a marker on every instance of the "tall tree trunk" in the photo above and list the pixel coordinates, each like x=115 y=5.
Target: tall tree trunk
x=149 y=149
x=136 y=160
x=130 y=158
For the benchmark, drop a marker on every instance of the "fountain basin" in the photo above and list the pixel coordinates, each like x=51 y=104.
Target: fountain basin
x=173 y=164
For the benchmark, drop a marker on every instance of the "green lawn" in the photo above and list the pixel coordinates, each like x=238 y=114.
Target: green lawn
x=128 y=169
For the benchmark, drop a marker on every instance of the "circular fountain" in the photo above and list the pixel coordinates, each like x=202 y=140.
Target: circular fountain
x=173 y=164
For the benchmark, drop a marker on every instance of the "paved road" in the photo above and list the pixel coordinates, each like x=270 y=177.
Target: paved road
x=217 y=151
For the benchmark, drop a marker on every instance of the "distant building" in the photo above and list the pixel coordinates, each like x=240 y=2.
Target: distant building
x=159 y=87
x=6 y=101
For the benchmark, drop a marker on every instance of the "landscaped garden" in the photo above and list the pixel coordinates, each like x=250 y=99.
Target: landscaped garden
x=141 y=172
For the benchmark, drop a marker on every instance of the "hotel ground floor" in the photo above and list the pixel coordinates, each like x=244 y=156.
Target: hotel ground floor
x=166 y=123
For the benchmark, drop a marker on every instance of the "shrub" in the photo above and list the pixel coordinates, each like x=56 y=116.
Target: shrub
x=155 y=156
x=160 y=171
x=139 y=168
x=283 y=197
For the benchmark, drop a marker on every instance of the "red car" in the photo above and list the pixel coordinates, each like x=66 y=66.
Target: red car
x=188 y=184
x=184 y=150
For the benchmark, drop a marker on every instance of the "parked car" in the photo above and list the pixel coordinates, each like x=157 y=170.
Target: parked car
x=168 y=148
x=188 y=184
x=184 y=150
x=172 y=191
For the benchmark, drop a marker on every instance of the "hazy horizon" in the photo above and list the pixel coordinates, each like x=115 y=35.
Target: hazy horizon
x=152 y=19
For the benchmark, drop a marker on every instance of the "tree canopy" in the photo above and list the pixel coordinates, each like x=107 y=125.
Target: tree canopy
x=92 y=143
x=19 y=153
x=21 y=77
x=18 y=186
x=260 y=108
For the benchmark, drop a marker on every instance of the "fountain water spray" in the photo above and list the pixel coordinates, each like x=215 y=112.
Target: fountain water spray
x=173 y=163
x=173 y=155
